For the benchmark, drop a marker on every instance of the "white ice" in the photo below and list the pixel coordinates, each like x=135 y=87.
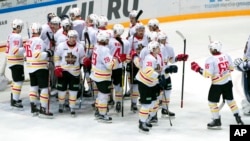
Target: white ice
x=191 y=120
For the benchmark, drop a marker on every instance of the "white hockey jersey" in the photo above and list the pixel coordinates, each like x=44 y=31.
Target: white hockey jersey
x=14 y=50
x=79 y=26
x=69 y=58
x=102 y=64
x=168 y=57
x=116 y=48
x=35 y=54
x=148 y=74
x=92 y=32
x=46 y=28
x=218 y=68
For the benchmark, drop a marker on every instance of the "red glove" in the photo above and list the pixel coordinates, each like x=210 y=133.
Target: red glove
x=182 y=57
x=195 y=67
x=133 y=54
x=58 y=72
x=86 y=62
x=121 y=57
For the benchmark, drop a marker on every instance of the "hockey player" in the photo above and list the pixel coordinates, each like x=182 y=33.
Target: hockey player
x=68 y=57
x=90 y=30
x=138 y=37
x=37 y=53
x=148 y=84
x=102 y=65
x=78 y=22
x=168 y=56
x=153 y=25
x=116 y=48
x=15 y=60
x=62 y=36
x=218 y=67
x=48 y=31
x=133 y=22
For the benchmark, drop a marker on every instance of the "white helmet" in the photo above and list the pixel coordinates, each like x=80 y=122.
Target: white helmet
x=36 y=28
x=103 y=36
x=102 y=21
x=93 y=18
x=55 y=20
x=118 y=29
x=72 y=33
x=139 y=26
x=133 y=13
x=17 y=23
x=162 y=36
x=75 y=11
x=66 y=22
x=215 y=45
x=152 y=45
x=153 y=22
x=152 y=36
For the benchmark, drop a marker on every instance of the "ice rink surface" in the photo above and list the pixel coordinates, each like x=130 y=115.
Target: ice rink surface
x=190 y=123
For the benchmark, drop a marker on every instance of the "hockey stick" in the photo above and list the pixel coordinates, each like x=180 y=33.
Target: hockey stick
x=28 y=30
x=170 y=122
x=138 y=15
x=86 y=38
x=123 y=72
x=183 y=69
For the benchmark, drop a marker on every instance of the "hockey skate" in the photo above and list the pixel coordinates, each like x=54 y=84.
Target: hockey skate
x=153 y=120
x=72 y=112
x=34 y=110
x=61 y=107
x=215 y=124
x=118 y=107
x=104 y=119
x=133 y=107
x=238 y=119
x=44 y=114
x=167 y=113
x=15 y=104
x=97 y=114
x=143 y=128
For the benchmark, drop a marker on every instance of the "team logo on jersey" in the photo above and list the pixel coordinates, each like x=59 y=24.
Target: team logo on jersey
x=70 y=58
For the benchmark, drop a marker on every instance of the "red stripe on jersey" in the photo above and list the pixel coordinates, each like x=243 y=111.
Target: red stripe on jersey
x=145 y=78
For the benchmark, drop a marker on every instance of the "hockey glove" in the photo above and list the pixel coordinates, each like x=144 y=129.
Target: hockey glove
x=58 y=72
x=171 y=69
x=162 y=81
x=195 y=67
x=121 y=57
x=181 y=57
x=86 y=62
x=50 y=52
x=133 y=54
x=240 y=64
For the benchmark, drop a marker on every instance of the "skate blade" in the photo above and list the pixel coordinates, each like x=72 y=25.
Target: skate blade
x=34 y=114
x=104 y=121
x=45 y=117
x=73 y=116
x=215 y=128
x=167 y=116
x=143 y=132
x=15 y=108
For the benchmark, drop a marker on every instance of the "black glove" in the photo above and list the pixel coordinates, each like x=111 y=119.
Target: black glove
x=50 y=52
x=171 y=69
x=162 y=81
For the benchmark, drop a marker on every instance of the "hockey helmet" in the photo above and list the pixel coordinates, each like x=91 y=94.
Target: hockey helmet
x=72 y=33
x=215 y=45
x=36 y=28
x=118 y=29
x=17 y=23
x=152 y=45
x=103 y=36
x=133 y=13
x=102 y=21
x=153 y=22
x=75 y=12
